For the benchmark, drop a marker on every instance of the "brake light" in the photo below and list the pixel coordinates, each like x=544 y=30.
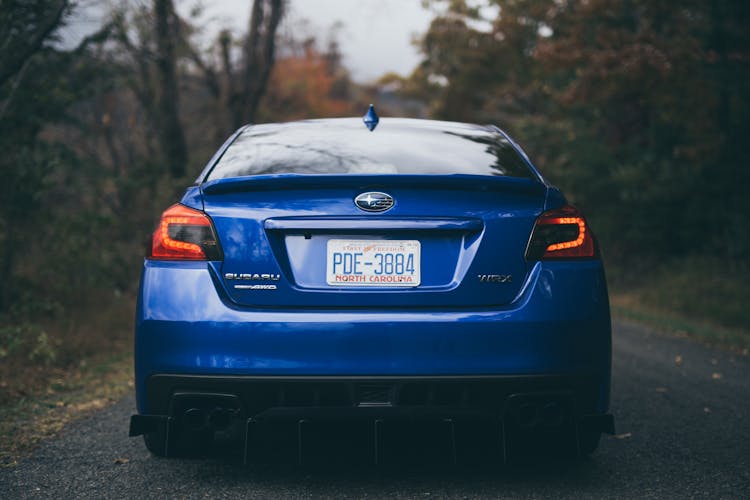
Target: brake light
x=184 y=234
x=561 y=233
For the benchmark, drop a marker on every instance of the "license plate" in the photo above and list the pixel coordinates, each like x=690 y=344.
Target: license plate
x=383 y=263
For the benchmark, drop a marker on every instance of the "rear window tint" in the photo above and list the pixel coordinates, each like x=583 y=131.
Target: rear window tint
x=323 y=148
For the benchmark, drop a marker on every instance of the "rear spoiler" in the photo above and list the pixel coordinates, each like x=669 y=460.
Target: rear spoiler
x=370 y=182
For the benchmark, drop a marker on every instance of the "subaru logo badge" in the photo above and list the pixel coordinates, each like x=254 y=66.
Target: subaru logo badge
x=374 y=201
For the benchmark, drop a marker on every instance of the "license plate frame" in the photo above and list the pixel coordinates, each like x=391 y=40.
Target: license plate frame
x=347 y=269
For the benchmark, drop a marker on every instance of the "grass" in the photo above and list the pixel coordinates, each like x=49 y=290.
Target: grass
x=24 y=423
x=84 y=364
x=631 y=307
x=703 y=298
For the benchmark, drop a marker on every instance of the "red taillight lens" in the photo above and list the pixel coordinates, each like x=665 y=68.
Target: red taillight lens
x=561 y=233
x=184 y=234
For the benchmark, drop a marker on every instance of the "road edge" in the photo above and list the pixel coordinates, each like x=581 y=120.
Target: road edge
x=26 y=423
x=674 y=325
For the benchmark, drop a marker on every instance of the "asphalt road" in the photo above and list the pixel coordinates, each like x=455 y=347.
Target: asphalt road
x=683 y=427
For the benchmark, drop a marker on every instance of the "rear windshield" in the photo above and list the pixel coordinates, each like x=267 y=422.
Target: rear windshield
x=318 y=148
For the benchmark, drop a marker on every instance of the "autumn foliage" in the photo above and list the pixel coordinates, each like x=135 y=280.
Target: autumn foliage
x=306 y=86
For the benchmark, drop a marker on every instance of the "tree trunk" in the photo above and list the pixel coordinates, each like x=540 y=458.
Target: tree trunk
x=171 y=137
x=258 y=59
x=267 y=58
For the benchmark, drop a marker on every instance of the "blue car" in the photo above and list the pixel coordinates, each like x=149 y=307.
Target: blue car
x=393 y=273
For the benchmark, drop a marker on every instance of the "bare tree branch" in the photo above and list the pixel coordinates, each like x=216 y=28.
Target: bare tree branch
x=13 y=88
x=210 y=78
x=142 y=89
x=101 y=35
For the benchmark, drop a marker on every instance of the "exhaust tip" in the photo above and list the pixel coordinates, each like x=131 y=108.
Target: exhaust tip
x=528 y=415
x=553 y=414
x=219 y=418
x=195 y=418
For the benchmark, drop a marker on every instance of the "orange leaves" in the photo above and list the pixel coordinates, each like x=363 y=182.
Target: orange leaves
x=301 y=86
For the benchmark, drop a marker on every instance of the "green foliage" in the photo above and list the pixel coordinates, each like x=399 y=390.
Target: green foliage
x=86 y=168
x=79 y=191
x=24 y=26
x=34 y=169
x=28 y=341
x=707 y=292
x=43 y=351
x=12 y=339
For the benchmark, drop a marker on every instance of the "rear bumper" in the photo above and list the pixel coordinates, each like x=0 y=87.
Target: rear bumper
x=256 y=395
x=501 y=413
x=557 y=329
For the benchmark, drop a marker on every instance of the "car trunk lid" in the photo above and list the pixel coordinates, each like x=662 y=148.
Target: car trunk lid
x=280 y=235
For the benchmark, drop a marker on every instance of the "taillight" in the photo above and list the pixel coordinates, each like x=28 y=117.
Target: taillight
x=184 y=234
x=561 y=233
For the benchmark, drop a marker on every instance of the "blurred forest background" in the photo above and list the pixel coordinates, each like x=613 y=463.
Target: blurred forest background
x=638 y=109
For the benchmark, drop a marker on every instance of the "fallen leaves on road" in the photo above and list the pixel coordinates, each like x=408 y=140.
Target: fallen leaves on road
x=716 y=376
x=678 y=360
x=625 y=435
x=94 y=404
x=120 y=461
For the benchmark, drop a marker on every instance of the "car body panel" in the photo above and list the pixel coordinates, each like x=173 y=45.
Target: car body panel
x=186 y=326
x=250 y=223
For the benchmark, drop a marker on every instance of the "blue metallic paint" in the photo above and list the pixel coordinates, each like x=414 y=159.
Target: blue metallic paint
x=504 y=211
x=559 y=325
